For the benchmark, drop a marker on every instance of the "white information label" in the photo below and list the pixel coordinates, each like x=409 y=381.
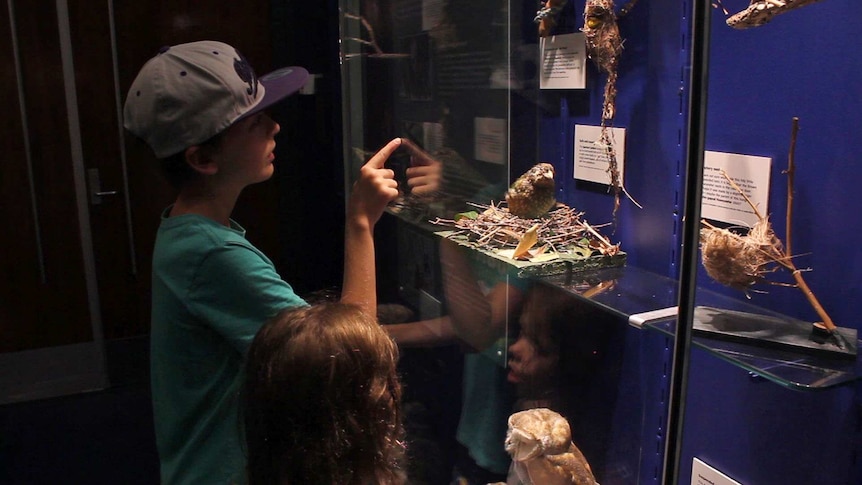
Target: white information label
x=592 y=163
x=720 y=201
x=490 y=140
x=703 y=474
x=563 y=61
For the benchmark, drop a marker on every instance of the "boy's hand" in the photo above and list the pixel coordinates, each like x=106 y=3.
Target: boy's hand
x=375 y=188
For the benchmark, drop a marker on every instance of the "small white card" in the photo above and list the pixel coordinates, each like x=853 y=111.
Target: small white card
x=703 y=474
x=563 y=61
x=432 y=136
x=720 y=201
x=591 y=155
x=433 y=12
x=490 y=140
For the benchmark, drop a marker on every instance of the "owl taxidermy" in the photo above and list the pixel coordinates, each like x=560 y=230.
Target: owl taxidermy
x=532 y=194
x=540 y=443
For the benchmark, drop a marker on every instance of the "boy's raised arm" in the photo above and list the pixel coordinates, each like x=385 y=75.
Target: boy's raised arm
x=374 y=189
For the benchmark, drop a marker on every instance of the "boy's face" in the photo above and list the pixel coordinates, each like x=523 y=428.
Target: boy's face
x=245 y=150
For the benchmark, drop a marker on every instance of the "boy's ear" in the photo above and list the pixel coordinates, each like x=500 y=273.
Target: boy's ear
x=201 y=160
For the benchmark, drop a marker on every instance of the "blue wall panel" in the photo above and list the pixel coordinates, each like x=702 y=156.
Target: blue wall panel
x=806 y=64
x=802 y=64
x=651 y=79
x=761 y=433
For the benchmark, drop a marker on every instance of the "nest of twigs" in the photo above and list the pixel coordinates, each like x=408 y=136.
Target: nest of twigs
x=740 y=261
x=562 y=231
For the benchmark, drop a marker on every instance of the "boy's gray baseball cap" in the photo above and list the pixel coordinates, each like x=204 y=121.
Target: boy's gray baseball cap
x=188 y=93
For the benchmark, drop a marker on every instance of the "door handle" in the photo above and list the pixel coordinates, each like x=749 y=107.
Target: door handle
x=94 y=186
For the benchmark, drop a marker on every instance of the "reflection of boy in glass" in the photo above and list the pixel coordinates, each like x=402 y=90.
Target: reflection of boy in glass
x=482 y=304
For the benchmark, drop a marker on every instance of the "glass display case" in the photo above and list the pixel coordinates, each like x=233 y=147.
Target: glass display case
x=597 y=305
x=773 y=162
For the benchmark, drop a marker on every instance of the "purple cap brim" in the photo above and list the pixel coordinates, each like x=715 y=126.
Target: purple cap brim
x=279 y=84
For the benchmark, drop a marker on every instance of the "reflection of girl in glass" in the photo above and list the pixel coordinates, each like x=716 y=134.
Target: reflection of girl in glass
x=557 y=351
x=560 y=361
x=534 y=357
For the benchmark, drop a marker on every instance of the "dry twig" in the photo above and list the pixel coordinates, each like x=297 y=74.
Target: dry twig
x=562 y=230
x=741 y=261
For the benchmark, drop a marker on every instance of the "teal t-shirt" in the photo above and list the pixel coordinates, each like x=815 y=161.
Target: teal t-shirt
x=488 y=397
x=212 y=291
x=486 y=405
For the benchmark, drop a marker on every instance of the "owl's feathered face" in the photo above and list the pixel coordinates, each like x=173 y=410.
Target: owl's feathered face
x=540 y=443
x=537 y=432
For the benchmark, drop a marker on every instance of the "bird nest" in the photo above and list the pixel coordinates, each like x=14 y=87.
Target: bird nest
x=560 y=232
x=740 y=261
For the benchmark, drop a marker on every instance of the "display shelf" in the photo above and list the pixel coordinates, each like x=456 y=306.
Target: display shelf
x=799 y=368
x=625 y=291
x=629 y=292
x=789 y=369
x=649 y=300
x=639 y=295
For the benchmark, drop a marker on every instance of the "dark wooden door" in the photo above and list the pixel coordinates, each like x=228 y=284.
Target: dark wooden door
x=49 y=322
x=76 y=265
x=43 y=286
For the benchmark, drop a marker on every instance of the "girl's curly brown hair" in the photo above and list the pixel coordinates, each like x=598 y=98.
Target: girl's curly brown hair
x=321 y=400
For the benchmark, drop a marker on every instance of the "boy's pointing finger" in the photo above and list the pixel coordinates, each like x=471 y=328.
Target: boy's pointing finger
x=379 y=158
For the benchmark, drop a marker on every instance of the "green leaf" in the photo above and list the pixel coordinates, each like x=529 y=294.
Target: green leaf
x=468 y=215
x=582 y=252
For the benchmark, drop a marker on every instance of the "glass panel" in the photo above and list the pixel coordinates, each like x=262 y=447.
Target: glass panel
x=483 y=335
x=762 y=245
x=776 y=248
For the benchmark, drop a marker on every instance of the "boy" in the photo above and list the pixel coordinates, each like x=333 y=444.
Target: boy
x=200 y=107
